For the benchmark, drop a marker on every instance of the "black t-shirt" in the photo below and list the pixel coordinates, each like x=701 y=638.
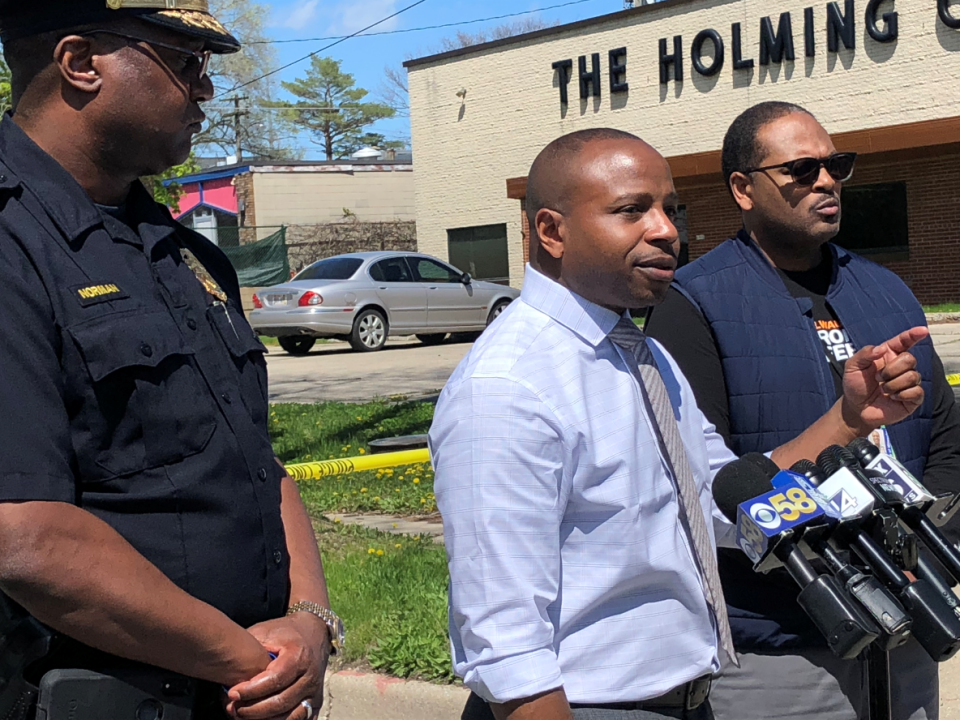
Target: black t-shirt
x=814 y=284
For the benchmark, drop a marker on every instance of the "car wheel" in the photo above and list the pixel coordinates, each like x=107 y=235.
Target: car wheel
x=369 y=331
x=432 y=338
x=497 y=309
x=297 y=345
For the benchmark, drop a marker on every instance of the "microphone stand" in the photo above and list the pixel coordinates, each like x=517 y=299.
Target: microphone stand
x=878 y=683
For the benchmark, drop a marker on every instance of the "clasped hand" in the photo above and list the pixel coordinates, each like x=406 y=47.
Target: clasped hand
x=301 y=644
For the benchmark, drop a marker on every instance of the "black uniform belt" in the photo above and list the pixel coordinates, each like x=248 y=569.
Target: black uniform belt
x=688 y=696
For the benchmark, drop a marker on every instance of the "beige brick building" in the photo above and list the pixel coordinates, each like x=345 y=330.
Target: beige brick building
x=882 y=77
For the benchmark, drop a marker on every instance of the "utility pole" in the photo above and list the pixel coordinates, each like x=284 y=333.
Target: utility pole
x=236 y=115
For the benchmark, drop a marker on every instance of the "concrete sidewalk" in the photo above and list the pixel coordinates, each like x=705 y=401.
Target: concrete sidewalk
x=366 y=696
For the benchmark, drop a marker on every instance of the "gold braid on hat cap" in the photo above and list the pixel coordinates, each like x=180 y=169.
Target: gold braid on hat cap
x=199 y=5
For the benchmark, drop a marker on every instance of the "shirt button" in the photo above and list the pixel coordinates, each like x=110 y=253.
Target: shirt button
x=277 y=557
x=146 y=350
x=262 y=474
x=192 y=324
x=227 y=399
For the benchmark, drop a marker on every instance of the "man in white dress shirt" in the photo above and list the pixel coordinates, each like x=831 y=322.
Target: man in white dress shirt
x=577 y=590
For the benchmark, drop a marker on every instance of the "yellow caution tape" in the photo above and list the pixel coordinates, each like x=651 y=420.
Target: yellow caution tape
x=954 y=379
x=325 y=468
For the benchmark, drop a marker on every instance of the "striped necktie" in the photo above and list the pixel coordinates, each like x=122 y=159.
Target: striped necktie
x=629 y=337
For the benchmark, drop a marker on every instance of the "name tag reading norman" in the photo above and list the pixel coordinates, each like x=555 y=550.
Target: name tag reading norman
x=92 y=294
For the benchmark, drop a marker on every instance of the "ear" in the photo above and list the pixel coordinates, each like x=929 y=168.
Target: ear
x=550 y=231
x=742 y=188
x=78 y=63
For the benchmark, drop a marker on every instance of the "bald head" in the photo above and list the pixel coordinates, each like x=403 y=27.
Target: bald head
x=553 y=175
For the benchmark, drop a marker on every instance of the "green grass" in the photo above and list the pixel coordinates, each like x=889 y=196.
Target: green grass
x=391 y=592
x=942 y=308
x=304 y=433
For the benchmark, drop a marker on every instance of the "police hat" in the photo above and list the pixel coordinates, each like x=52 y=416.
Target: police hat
x=23 y=18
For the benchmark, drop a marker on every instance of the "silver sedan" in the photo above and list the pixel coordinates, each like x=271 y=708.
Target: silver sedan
x=366 y=297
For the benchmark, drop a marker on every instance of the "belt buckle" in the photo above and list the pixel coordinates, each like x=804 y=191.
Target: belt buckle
x=697 y=692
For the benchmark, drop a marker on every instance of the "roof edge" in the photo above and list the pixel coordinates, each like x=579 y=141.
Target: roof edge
x=545 y=32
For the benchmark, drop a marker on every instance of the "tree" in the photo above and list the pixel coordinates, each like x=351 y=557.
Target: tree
x=6 y=94
x=170 y=194
x=264 y=133
x=394 y=91
x=331 y=108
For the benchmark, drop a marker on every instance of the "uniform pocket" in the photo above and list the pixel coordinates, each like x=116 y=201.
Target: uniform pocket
x=145 y=404
x=248 y=356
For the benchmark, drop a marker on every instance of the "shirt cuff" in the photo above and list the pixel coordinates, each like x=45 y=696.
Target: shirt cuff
x=516 y=677
x=39 y=487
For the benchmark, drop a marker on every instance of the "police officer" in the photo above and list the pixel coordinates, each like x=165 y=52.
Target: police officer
x=143 y=514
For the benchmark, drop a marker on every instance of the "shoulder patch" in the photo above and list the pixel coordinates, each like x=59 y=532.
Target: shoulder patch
x=93 y=294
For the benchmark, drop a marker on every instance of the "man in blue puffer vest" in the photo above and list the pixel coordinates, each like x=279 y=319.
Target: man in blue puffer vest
x=761 y=326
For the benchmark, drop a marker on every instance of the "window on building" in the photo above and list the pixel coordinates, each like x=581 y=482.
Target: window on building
x=874 y=219
x=480 y=251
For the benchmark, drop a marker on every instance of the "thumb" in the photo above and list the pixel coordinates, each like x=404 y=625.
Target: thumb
x=865 y=358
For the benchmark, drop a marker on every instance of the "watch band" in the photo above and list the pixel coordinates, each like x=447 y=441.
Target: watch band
x=329 y=617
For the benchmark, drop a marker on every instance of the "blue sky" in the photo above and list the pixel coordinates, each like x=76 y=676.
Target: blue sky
x=365 y=58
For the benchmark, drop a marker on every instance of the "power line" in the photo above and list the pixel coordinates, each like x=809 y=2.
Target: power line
x=427 y=27
x=323 y=49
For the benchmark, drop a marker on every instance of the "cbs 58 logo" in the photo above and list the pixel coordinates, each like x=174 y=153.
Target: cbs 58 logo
x=788 y=506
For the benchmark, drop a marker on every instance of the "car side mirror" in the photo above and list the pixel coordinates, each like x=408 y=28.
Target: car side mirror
x=466 y=279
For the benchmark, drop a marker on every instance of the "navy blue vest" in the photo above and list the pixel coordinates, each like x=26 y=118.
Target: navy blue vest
x=779 y=383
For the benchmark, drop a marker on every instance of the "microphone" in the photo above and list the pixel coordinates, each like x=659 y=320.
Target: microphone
x=885 y=610
x=917 y=508
x=846 y=627
x=935 y=626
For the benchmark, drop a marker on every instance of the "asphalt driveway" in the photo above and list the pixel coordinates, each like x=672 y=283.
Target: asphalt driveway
x=333 y=371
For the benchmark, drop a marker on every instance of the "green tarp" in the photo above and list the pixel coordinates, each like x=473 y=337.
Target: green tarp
x=263 y=262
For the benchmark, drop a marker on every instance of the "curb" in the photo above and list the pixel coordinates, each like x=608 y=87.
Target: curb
x=934 y=318
x=350 y=695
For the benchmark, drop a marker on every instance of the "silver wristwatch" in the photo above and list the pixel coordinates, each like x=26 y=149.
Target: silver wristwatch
x=330 y=618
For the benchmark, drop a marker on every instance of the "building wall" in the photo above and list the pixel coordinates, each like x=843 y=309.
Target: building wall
x=307 y=198
x=467 y=148
x=933 y=215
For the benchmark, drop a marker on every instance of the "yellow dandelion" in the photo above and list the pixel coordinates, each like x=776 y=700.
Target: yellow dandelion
x=379 y=552
x=398 y=546
x=377 y=498
x=423 y=501
x=362 y=451
x=416 y=481
x=337 y=520
x=359 y=418
x=394 y=524
x=363 y=490
x=371 y=551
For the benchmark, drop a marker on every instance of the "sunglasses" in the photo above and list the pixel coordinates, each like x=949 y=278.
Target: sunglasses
x=805 y=171
x=195 y=64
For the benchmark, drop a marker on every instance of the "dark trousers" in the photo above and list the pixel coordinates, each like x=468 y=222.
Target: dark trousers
x=477 y=709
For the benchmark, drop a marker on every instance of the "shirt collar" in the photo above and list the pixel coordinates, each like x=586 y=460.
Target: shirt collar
x=61 y=196
x=65 y=201
x=588 y=320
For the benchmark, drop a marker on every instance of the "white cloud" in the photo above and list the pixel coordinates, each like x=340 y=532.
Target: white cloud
x=352 y=16
x=301 y=15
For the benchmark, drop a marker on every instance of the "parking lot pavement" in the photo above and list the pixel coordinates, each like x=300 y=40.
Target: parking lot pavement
x=332 y=371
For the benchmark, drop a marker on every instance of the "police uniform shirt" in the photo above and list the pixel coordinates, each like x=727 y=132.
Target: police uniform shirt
x=130 y=390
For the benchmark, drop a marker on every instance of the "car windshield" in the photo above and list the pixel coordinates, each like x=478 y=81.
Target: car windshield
x=341 y=268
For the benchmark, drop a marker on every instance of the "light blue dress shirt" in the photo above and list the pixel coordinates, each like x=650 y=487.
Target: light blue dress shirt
x=568 y=563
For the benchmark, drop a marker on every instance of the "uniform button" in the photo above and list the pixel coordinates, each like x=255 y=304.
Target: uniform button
x=262 y=474
x=277 y=557
x=227 y=399
x=146 y=350
x=192 y=324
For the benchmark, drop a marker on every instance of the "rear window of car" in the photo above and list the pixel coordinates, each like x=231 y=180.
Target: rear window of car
x=331 y=269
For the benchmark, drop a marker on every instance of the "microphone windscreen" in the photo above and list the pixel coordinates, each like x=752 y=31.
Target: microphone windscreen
x=809 y=470
x=763 y=462
x=829 y=460
x=740 y=481
x=864 y=450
